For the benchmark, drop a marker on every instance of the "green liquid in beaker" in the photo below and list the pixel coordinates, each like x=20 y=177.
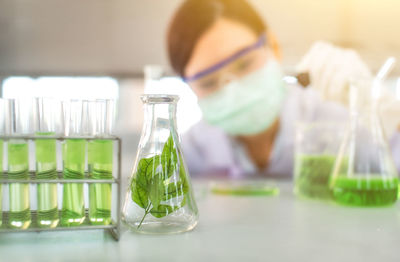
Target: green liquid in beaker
x=18 y=168
x=362 y=191
x=100 y=159
x=46 y=168
x=73 y=209
x=398 y=191
x=312 y=173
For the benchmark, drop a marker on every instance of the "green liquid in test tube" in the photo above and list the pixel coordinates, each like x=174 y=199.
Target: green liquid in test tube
x=18 y=168
x=3 y=105
x=73 y=210
x=46 y=168
x=100 y=159
x=1 y=188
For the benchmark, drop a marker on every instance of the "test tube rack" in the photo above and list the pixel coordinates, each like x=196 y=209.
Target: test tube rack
x=114 y=228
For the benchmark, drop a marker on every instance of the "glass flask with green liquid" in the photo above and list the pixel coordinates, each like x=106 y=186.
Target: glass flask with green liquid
x=364 y=172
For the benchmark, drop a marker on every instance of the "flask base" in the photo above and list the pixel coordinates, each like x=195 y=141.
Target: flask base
x=157 y=228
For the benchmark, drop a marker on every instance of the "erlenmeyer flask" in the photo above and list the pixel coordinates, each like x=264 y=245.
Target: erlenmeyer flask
x=160 y=198
x=364 y=173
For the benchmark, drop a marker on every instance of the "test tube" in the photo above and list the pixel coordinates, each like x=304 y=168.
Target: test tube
x=100 y=160
x=48 y=115
x=74 y=153
x=18 y=162
x=3 y=107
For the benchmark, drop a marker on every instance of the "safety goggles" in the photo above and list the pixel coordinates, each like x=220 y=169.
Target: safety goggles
x=240 y=63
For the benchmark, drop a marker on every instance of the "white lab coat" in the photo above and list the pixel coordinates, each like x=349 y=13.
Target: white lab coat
x=208 y=150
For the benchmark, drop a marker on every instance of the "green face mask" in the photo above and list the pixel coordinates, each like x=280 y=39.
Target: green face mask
x=249 y=105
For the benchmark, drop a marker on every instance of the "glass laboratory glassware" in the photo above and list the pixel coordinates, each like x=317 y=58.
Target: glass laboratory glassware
x=100 y=160
x=159 y=199
x=3 y=111
x=18 y=161
x=152 y=76
x=48 y=123
x=316 y=148
x=364 y=172
x=74 y=157
x=398 y=98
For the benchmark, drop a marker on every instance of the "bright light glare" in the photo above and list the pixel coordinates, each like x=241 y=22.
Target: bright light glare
x=61 y=87
x=188 y=112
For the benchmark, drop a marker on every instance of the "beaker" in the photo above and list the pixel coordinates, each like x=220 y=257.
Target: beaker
x=364 y=172
x=316 y=148
x=159 y=199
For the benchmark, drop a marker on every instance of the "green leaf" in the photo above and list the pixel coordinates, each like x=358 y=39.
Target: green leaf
x=169 y=157
x=172 y=190
x=179 y=188
x=183 y=175
x=156 y=188
x=146 y=168
x=139 y=194
x=151 y=184
x=143 y=177
x=184 y=200
x=162 y=210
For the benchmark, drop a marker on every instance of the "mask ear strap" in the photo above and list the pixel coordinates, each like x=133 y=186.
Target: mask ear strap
x=260 y=42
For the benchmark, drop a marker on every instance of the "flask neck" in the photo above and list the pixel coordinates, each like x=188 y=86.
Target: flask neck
x=159 y=122
x=364 y=99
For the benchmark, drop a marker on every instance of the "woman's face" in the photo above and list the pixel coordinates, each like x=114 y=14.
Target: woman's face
x=223 y=39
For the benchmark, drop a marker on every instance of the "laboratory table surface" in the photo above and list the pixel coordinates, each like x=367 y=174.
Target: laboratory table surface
x=233 y=228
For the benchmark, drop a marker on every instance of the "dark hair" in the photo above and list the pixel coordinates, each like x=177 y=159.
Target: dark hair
x=194 y=17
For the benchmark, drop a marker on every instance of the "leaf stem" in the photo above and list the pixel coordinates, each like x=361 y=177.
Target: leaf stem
x=146 y=211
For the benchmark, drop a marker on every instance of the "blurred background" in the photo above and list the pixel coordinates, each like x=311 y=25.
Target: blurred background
x=99 y=48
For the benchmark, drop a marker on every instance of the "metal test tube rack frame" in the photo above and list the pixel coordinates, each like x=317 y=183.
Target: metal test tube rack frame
x=114 y=228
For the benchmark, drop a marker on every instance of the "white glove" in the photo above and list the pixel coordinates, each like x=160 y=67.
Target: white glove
x=330 y=69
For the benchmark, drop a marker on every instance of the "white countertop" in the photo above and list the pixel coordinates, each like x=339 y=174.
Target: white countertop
x=280 y=228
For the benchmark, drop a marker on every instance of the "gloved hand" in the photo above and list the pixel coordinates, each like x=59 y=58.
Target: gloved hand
x=330 y=68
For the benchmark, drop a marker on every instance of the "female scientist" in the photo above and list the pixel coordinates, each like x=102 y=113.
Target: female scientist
x=231 y=60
